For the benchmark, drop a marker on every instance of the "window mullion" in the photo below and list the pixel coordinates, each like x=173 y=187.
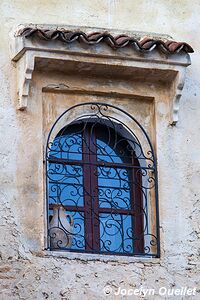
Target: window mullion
x=87 y=191
x=94 y=190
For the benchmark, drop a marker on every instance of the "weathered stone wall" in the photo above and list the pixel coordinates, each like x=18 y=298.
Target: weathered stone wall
x=29 y=274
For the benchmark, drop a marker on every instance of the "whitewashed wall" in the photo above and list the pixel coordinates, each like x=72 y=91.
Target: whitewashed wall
x=26 y=276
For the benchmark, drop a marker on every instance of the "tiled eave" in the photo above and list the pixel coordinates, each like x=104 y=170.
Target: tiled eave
x=149 y=58
x=143 y=43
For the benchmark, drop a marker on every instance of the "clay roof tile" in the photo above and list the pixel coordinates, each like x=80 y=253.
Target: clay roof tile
x=144 y=44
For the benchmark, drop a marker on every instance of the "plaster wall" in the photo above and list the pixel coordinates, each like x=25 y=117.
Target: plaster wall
x=26 y=272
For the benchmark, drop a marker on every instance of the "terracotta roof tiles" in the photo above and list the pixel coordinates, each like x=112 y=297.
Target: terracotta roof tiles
x=144 y=44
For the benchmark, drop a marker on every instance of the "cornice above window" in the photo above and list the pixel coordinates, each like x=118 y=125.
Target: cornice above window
x=141 y=57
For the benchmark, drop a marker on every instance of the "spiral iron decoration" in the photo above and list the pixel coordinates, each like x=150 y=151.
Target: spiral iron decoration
x=98 y=171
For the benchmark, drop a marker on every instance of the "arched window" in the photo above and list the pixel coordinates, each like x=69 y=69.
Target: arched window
x=95 y=188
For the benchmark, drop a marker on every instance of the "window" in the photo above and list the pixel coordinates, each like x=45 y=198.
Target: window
x=97 y=188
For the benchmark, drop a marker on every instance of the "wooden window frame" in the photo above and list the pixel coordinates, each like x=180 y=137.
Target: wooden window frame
x=91 y=206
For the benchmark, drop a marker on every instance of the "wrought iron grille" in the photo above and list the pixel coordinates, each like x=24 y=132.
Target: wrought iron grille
x=101 y=181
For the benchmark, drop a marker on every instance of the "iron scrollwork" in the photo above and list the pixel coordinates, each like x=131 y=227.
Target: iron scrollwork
x=101 y=184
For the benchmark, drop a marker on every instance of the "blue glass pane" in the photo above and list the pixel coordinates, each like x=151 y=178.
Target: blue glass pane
x=112 y=147
x=106 y=153
x=78 y=241
x=65 y=184
x=67 y=146
x=114 y=187
x=116 y=233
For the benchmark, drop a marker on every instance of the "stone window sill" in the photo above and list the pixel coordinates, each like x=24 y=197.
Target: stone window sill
x=100 y=257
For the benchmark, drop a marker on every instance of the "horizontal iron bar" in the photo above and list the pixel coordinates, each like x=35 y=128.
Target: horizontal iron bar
x=100 y=164
x=97 y=154
x=99 y=210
